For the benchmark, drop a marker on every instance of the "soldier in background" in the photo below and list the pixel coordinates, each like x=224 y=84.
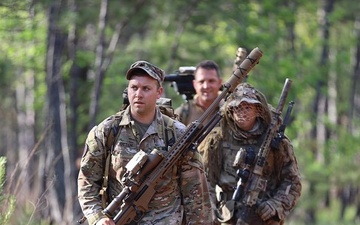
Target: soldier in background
x=207 y=83
x=247 y=116
x=181 y=197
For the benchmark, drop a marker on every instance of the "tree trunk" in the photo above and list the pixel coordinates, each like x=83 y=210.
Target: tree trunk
x=78 y=75
x=57 y=162
x=355 y=101
x=320 y=131
x=188 y=11
x=103 y=60
x=99 y=72
x=290 y=27
x=355 y=81
x=26 y=134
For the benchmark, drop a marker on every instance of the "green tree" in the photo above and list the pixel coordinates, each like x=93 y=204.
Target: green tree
x=62 y=71
x=7 y=201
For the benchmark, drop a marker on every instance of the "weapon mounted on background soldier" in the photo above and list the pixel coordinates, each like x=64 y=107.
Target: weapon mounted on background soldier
x=182 y=81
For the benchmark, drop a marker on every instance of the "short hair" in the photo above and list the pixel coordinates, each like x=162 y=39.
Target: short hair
x=208 y=65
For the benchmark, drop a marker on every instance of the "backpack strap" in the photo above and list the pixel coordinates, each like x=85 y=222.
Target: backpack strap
x=103 y=194
x=169 y=129
x=185 y=112
x=110 y=143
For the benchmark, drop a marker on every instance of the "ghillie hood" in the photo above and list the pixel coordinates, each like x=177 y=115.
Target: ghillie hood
x=246 y=92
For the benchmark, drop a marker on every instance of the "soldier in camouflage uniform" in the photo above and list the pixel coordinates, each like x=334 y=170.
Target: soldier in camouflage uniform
x=207 y=83
x=246 y=119
x=182 y=197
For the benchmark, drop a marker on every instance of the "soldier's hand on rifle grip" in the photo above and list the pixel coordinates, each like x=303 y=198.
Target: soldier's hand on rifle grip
x=266 y=210
x=105 y=221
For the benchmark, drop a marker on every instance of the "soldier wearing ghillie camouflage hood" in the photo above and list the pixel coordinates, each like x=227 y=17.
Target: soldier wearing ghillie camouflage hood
x=247 y=116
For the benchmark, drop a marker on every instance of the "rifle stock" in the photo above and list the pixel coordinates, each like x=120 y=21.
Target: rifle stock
x=133 y=201
x=251 y=181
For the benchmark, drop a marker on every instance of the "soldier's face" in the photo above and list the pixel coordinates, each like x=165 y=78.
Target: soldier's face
x=245 y=115
x=207 y=85
x=143 y=92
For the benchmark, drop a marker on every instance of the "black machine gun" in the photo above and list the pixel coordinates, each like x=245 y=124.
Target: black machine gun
x=250 y=173
x=144 y=171
x=182 y=81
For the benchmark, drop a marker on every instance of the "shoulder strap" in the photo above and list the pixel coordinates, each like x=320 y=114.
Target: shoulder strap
x=109 y=145
x=113 y=130
x=187 y=108
x=186 y=111
x=169 y=129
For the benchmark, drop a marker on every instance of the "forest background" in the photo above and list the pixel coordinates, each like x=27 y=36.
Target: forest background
x=62 y=67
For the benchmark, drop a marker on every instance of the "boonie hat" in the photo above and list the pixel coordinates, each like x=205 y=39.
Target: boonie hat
x=153 y=71
x=244 y=95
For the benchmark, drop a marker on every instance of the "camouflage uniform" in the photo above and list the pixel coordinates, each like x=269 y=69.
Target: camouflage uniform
x=181 y=198
x=281 y=171
x=191 y=111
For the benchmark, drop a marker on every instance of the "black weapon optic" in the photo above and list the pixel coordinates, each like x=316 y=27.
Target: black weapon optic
x=182 y=81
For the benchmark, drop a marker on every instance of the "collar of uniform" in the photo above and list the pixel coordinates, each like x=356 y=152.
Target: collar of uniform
x=126 y=120
x=196 y=102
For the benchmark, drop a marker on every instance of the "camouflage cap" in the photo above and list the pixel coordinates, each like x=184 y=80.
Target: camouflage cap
x=244 y=94
x=153 y=71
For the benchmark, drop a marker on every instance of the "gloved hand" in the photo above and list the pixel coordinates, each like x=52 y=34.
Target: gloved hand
x=266 y=210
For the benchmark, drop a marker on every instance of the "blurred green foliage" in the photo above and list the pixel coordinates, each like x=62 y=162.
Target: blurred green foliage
x=182 y=33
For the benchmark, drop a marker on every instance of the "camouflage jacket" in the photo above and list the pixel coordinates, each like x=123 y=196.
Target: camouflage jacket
x=182 y=196
x=190 y=111
x=281 y=170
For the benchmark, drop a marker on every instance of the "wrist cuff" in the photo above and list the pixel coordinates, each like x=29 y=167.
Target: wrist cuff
x=93 y=218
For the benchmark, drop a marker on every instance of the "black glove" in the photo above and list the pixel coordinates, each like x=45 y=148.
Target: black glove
x=266 y=210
